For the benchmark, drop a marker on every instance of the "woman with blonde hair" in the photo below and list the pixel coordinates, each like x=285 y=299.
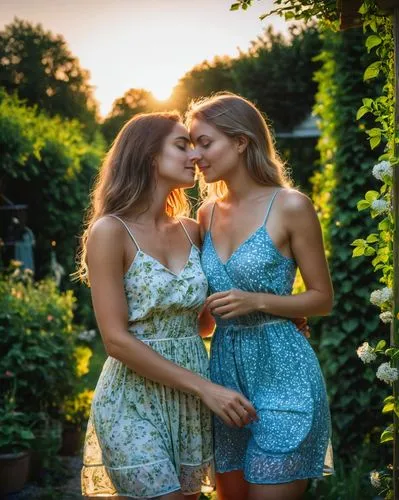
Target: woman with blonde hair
x=149 y=433
x=256 y=231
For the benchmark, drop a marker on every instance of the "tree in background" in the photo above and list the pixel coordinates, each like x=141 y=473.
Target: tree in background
x=132 y=102
x=277 y=74
x=48 y=164
x=202 y=80
x=40 y=68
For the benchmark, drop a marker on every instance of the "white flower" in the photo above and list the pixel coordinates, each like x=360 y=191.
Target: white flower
x=366 y=353
x=375 y=479
x=386 y=317
x=87 y=335
x=384 y=168
x=379 y=206
x=387 y=374
x=378 y=297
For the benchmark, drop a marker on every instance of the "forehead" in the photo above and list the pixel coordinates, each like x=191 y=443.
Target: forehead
x=200 y=127
x=179 y=131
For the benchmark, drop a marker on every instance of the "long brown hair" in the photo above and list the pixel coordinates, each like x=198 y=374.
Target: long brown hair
x=127 y=176
x=233 y=115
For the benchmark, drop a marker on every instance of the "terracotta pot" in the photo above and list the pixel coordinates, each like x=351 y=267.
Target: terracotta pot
x=71 y=441
x=14 y=470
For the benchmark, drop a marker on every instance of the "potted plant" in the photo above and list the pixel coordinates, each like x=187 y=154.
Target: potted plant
x=76 y=412
x=15 y=441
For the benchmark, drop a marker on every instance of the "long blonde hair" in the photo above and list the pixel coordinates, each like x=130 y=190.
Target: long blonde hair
x=233 y=115
x=127 y=175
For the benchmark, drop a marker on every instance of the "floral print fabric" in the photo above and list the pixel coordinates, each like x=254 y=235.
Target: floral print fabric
x=144 y=439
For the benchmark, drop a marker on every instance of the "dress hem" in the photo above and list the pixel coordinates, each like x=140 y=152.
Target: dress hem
x=321 y=475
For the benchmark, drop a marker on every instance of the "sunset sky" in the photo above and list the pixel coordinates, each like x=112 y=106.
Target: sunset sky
x=143 y=43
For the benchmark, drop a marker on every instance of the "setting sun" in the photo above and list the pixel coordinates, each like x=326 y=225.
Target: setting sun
x=161 y=93
x=145 y=45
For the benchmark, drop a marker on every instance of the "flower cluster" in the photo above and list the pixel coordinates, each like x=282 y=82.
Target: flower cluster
x=387 y=374
x=87 y=335
x=375 y=479
x=386 y=317
x=379 y=297
x=380 y=206
x=366 y=353
x=382 y=169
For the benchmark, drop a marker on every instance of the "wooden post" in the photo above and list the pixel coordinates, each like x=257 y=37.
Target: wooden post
x=395 y=211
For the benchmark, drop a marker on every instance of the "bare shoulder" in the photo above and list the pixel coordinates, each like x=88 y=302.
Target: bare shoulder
x=106 y=229
x=295 y=203
x=106 y=238
x=192 y=228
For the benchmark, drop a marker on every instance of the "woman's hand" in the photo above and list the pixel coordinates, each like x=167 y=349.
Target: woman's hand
x=232 y=303
x=232 y=407
x=303 y=326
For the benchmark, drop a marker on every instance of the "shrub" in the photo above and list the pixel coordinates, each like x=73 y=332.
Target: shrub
x=37 y=341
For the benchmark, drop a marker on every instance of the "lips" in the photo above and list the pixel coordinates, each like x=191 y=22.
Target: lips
x=202 y=168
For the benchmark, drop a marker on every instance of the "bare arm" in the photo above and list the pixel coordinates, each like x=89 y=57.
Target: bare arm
x=306 y=244
x=105 y=261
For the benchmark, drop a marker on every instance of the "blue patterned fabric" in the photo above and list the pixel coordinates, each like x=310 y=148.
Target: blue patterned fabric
x=268 y=360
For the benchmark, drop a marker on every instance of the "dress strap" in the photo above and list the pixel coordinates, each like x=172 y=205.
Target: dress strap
x=270 y=205
x=185 y=230
x=211 y=219
x=127 y=229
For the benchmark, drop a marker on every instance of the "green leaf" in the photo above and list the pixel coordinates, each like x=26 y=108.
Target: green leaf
x=372 y=41
x=372 y=71
x=369 y=251
x=372 y=238
x=358 y=243
x=389 y=399
x=362 y=205
x=361 y=112
x=358 y=252
x=388 y=408
x=235 y=6
x=386 y=436
x=374 y=132
x=374 y=141
x=367 y=102
x=381 y=344
x=384 y=224
x=363 y=9
x=370 y=196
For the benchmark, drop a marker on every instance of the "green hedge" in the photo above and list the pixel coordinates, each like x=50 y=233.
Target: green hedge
x=346 y=162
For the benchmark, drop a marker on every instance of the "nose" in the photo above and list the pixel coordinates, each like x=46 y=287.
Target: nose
x=195 y=155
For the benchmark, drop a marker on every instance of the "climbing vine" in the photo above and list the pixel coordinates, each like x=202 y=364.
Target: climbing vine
x=379 y=245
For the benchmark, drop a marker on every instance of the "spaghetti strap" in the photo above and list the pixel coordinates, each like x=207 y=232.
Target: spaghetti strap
x=185 y=230
x=211 y=219
x=127 y=229
x=270 y=205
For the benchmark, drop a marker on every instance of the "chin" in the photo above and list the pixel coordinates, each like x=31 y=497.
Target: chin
x=209 y=179
x=186 y=184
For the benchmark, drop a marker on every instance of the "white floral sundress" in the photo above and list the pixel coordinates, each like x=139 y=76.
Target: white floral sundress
x=144 y=439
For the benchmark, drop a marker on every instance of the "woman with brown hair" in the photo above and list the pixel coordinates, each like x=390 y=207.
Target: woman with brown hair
x=256 y=231
x=149 y=433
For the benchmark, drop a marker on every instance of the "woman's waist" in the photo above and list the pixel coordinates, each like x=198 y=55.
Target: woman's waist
x=165 y=326
x=249 y=321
